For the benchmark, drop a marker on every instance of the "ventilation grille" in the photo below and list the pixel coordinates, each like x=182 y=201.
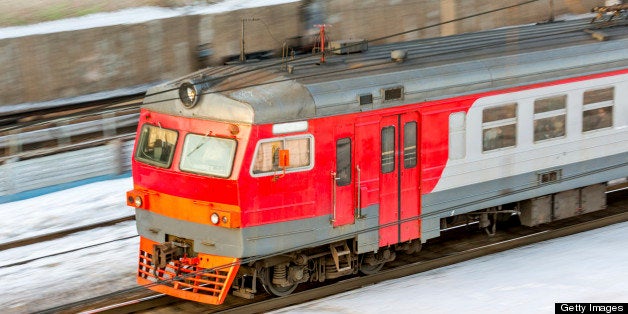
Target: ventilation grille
x=366 y=99
x=393 y=94
x=549 y=177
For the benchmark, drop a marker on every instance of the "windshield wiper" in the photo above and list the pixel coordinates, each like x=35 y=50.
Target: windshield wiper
x=199 y=145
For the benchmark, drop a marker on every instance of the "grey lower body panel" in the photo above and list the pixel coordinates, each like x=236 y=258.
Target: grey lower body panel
x=263 y=240
x=513 y=189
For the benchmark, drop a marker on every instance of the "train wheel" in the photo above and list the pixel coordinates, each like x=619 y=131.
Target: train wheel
x=414 y=248
x=371 y=269
x=279 y=274
x=372 y=263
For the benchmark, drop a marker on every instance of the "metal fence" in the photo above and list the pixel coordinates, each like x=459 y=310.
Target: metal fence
x=36 y=173
x=107 y=156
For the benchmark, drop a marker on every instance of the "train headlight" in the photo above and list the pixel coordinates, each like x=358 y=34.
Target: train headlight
x=215 y=219
x=189 y=94
x=137 y=201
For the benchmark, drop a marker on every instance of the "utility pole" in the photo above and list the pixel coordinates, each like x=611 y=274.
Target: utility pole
x=551 y=18
x=242 y=54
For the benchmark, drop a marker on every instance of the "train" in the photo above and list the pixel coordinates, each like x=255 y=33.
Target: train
x=312 y=168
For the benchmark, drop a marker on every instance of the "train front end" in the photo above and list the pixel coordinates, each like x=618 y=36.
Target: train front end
x=186 y=162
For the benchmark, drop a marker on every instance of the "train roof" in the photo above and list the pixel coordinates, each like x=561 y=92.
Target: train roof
x=434 y=68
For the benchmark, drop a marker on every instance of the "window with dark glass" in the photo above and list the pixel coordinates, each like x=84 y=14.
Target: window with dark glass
x=499 y=127
x=156 y=146
x=549 y=117
x=343 y=161
x=597 y=110
x=366 y=99
x=388 y=149
x=393 y=93
x=409 y=145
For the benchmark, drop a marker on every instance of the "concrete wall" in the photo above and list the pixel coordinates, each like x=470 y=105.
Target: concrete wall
x=265 y=28
x=45 y=67
x=379 y=18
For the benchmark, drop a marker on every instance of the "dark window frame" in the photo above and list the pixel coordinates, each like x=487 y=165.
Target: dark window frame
x=344 y=160
x=143 y=147
x=409 y=145
x=387 y=156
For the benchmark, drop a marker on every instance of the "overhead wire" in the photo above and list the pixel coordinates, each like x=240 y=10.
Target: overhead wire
x=279 y=63
x=366 y=67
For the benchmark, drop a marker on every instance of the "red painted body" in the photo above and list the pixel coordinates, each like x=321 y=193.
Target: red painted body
x=307 y=194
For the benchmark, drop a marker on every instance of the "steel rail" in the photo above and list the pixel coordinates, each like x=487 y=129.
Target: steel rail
x=9 y=119
x=62 y=233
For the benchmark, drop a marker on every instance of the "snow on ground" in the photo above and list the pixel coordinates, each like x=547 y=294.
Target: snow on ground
x=588 y=267
x=131 y=16
x=31 y=283
x=65 y=209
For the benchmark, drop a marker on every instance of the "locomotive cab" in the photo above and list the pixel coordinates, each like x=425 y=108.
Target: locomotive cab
x=210 y=173
x=186 y=165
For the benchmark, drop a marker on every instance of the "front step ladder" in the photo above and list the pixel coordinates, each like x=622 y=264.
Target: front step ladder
x=338 y=250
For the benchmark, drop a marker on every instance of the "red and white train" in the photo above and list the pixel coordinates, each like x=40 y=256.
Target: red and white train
x=248 y=173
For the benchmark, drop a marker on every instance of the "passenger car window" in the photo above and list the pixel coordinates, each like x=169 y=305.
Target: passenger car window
x=156 y=146
x=499 y=127
x=208 y=155
x=457 y=136
x=597 y=110
x=549 y=117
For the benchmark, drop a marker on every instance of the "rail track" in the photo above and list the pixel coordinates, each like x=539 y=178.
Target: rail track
x=452 y=247
x=61 y=233
x=28 y=117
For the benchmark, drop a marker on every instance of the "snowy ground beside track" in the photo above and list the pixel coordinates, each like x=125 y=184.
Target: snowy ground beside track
x=588 y=267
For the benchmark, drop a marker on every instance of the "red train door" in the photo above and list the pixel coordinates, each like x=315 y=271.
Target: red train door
x=342 y=177
x=399 y=179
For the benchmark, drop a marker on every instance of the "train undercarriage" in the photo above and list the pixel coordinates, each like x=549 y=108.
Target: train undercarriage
x=186 y=275
x=280 y=275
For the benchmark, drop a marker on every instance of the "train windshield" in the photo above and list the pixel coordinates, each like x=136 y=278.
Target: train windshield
x=208 y=155
x=156 y=146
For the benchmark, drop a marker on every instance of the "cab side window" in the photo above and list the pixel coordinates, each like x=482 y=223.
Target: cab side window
x=267 y=154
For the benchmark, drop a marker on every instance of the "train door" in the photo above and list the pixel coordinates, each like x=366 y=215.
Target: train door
x=399 y=179
x=342 y=177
